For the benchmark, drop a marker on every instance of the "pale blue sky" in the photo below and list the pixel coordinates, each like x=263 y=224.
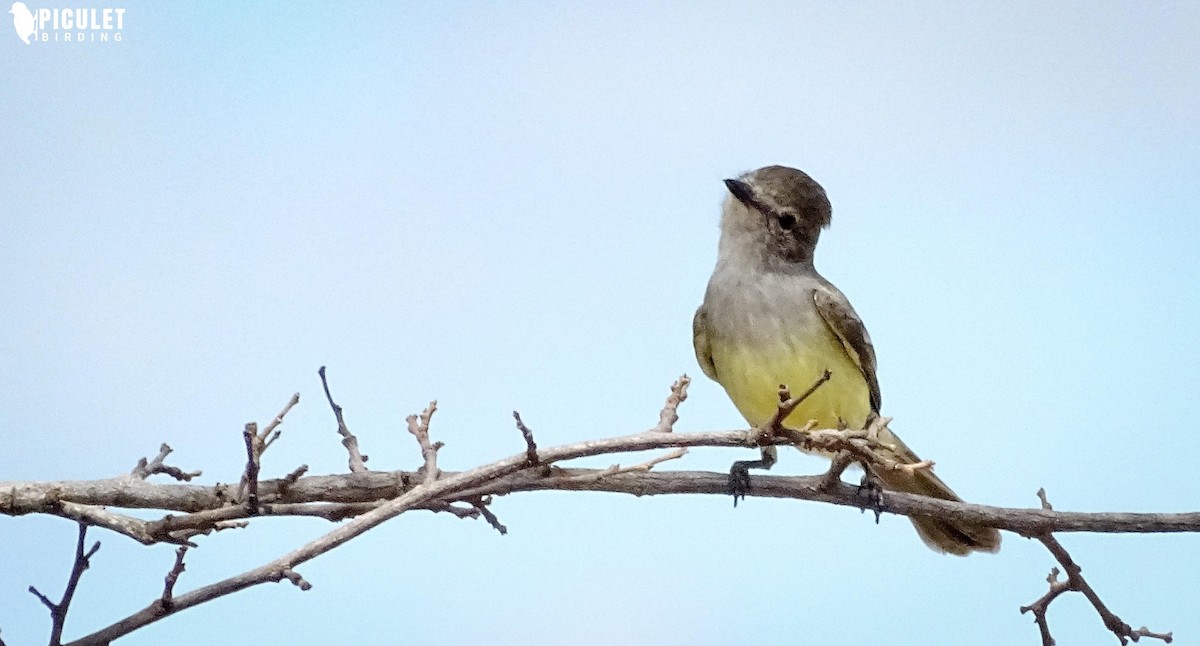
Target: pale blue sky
x=514 y=205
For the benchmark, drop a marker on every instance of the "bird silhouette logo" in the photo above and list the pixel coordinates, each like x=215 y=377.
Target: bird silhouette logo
x=22 y=21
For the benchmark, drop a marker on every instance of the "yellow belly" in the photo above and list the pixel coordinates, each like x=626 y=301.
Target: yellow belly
x=752 y=376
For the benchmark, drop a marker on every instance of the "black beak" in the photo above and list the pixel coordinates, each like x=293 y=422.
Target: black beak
x=741 y=190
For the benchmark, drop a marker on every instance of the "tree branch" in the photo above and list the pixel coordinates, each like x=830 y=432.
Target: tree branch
x=19 y=498
x=369 y=498
x=58 y=611
x=1076 y=582
x=358 y=461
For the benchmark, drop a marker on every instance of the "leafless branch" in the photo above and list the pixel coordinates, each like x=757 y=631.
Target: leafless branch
x=145 y=469
x=291 y=478
x=134 y=528
x=419 y=427
x=480 y=505
x=358 y=461
x=1076 y=582
x=368 y=498
x=254 y=450
x=670 y=411
x=168 y=595
x=531 y=455
x=58 y=611
x=19 y=498
x=274 y=424
x=1039 y=607
x=788 y=404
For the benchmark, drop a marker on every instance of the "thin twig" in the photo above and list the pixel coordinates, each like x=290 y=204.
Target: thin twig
x=290 y=479
x=358 y=461
x=254 y=449
x=274 y=424
x=616 y=469
x=841 y=461
x=788 y=404
x=455 y=510
x=172 y=577
x=670 y=411
x=1075 y=582
x=135 y=528
x=1039 y=607
x=419 y=427
x=58 y=611
x=145 y=469
x=481 y=505
x=1041 y=494
x=531 y=454
x=296 y=579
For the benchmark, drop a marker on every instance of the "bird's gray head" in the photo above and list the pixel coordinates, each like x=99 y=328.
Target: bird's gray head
x=773 y=216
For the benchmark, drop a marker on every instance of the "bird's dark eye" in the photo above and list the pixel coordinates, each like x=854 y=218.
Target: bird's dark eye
x=787 y=221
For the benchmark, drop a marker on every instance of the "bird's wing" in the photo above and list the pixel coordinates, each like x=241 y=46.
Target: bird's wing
x=700 y=343
x=835 y=309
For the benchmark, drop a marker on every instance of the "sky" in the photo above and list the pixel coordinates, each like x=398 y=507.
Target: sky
x=514 y=206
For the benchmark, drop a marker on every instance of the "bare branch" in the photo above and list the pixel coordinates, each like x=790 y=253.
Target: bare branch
x=296 y=579
x=513 y=474
x=670 y=411
x=837 y=466
x=291 y=478
x=58 y=611
x=254 y=449
x=1039 y=607
x=788 y=404
x=455 y=510
x=358 y=461
x=274 y=424
x=419 y=427
x=480 y=505
x=172 y=577
x=146 y=469
x=19 y=498
x=1076 y=582
x=597 y=475
x=531 y=455
x=1041 y=494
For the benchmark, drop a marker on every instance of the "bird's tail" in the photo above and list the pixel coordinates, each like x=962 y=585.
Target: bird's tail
x=950 y=537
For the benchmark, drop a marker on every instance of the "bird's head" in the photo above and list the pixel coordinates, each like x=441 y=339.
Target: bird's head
x=774 y=214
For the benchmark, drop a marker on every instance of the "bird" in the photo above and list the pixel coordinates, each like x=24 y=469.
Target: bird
x=22 y=21
x=769 y=319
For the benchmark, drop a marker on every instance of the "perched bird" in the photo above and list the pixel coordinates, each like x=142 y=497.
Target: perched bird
x=769 y=319
x=22 y=21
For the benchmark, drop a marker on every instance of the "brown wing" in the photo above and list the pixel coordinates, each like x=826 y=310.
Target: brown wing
x=845 y=324
x=700 y=343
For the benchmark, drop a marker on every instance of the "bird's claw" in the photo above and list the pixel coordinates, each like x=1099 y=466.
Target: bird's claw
x=739 y=479
x=871 y=488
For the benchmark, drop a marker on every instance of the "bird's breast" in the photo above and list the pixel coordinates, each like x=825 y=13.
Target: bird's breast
x=765 y=332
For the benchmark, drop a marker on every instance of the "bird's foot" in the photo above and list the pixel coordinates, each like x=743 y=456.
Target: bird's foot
x=739 y=480
x=871 y=488
x=739 y=473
